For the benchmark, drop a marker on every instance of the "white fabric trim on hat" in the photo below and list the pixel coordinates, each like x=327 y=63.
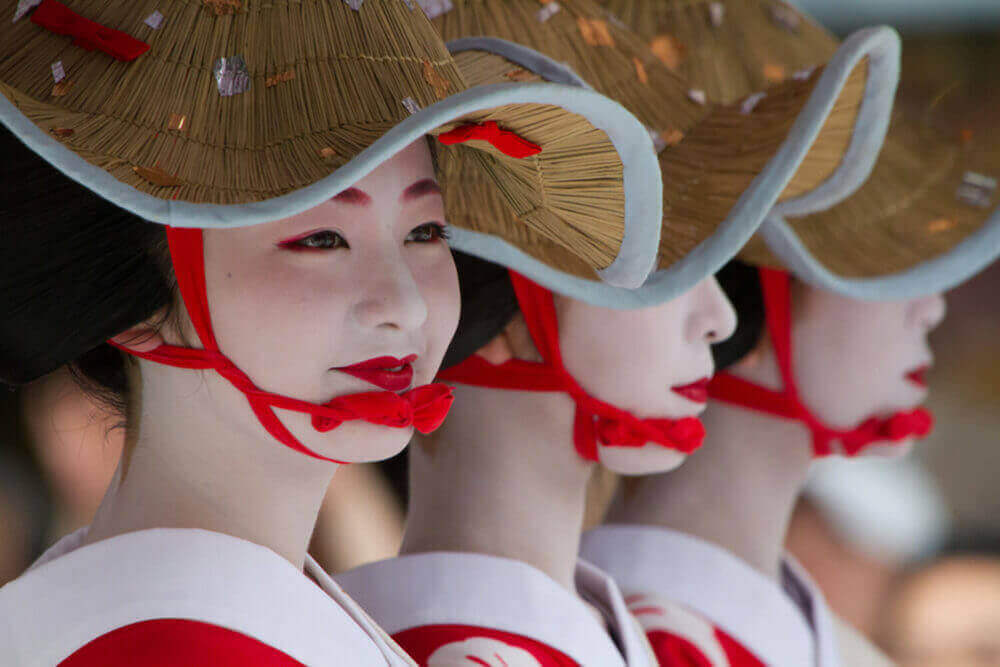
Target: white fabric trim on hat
x=498 y=593
x=642 y=183
x=709 y=580
x=78 y=593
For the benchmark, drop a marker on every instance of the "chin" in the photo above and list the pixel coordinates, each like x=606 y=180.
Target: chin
x=359 y=442
x=888 y=450
x=646 y=460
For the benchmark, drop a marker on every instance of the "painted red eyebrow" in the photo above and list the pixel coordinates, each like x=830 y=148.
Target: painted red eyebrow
x=354 y=196
x=420 y=188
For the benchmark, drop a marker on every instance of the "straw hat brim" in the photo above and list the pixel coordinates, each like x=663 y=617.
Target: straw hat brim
x=711 y=209
x=284 y=175
x=906 y=233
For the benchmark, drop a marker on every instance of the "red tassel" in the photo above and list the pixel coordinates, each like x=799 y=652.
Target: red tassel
x=505 y=141
x=87 y=34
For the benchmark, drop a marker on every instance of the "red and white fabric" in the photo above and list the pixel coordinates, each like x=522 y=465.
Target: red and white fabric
x=459 y=609
x=698 y=601
x=182 y=596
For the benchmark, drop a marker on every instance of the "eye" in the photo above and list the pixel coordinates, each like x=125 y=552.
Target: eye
x=429 y=232
x=323 y=240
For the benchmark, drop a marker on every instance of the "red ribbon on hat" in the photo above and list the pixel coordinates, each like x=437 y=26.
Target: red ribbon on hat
x=87 y=34
x=424 y=407
x=505 y=141
x=787 y=404
x=595 y=421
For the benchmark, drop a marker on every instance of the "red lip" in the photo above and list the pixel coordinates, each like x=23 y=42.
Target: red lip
x=696 y=391
x=918 y=376
x=387 y=373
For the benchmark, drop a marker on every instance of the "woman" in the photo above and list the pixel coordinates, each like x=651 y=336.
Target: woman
x=310 y=283
x=812 y=371
x=553 y=382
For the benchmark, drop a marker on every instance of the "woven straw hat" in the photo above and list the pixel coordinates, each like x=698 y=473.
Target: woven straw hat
x=724 y=165
x=924 y=221
x=225 y=113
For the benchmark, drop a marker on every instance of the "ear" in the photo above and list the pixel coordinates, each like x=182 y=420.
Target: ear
x=140 y=338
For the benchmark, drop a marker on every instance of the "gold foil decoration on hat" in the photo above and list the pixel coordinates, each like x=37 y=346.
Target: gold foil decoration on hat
x=940 y=225
x=595 y=32
x=438 y=82
x=158 y=176
x=775 y=72
x=176 y=121
x=62 y=88
x=668 y=49
x=61 y=132
x=520 y=74
x=640 y=70
x=327 y=153
x=672 y=137
x=966 y=136
x=275 y=79
x=223 y=7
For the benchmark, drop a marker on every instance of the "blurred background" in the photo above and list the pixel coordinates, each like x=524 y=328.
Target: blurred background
x=908 y=552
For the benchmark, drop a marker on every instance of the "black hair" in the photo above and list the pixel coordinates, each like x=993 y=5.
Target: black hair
x=488 y=305
x=741 y=283
x=75 y=270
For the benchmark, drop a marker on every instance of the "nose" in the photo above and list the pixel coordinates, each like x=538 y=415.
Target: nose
x=388 y=295
x=929 y=311
x=712 y=317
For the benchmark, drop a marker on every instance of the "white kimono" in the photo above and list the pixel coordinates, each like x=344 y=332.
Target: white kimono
x=694 y=592
x=450 y=609
x=192 y=582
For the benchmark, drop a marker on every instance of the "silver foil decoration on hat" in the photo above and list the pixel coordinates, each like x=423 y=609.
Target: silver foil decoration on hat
x=23 y=7
x=785 y=16
x=356 y=4
x=435 y=8
x=976 y=189
x=547 y=11
x=716 y=13
x=154 y=20
x=751 y=102
x=659 y=143
x=58 y=73
x=411 y=105
x=697 y=96
x=803 y=74
x=231 y=75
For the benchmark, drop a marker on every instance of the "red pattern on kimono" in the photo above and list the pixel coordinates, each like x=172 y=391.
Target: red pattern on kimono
x=173 y=642
x=431 y=645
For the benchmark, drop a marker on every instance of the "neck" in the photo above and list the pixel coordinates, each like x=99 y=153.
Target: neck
x=738 y=491
x=501 y=477
x=189 y=469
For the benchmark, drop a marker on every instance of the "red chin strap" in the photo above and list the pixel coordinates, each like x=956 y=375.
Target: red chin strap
x=424 y=407
x=595 y=421
x=786 y=404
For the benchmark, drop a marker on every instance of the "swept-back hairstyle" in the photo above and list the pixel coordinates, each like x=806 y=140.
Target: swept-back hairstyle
x=75 y=270
x=741 y=283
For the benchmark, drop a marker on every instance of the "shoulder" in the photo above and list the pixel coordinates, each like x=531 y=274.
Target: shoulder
x=681 y=637
x=176 y=642
x=466 y=645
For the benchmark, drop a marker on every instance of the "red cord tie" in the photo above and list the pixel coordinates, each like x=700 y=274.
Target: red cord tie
x=423 y=407
x=505 y=141
x=786 y=403
x=87 y=34
x=595 y=422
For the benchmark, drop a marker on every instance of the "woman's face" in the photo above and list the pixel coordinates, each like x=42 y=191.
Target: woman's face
x=364 y=275
x=858 y=359
x=653 y=362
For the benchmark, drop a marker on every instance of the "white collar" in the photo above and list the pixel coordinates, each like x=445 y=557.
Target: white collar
x=738 y=599
x=502 y=594
x=75 y=593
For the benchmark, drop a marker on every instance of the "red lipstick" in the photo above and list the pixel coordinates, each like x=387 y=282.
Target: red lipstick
x=918 y=376
x=696 y=391
x=387 y=373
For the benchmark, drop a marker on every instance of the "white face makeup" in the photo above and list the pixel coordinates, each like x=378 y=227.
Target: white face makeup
x=653 y=362
x=365 y=275
x=858 y=359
